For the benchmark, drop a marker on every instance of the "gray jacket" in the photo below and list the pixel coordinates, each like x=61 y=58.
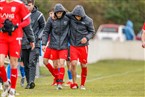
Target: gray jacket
x=82 y=28
x=38 y=24
x=28 y=36
x=57 y=30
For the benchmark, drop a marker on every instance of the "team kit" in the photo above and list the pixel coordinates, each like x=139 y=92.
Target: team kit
x=64 y=38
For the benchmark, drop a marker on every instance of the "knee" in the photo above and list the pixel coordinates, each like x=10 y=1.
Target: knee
x=1 y=63
x=45 y=62
x=55 y=64
x=84 y=65
x=61 y=64
x=73 y=63
x=13 y=63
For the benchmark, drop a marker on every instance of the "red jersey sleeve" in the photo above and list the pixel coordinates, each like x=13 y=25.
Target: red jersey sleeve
x=25 y=22
x=25 y=13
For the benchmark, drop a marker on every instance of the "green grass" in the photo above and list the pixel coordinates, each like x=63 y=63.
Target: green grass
x=108 y=78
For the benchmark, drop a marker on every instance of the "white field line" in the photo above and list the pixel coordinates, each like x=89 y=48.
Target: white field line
x=114 y=75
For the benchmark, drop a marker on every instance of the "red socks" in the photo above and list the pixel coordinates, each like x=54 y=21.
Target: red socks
x=3 y=74
x=61 y=73
x=83 y=76
x=14 y=74
x=51 y=69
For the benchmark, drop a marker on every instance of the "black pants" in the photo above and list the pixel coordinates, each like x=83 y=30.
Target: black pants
x=30 y=58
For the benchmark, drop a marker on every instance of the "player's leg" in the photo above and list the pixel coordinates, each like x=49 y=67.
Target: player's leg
x=34 y=56
x=14 y=74
x=4 y=76
x=14 y=53
x=74 y=58
x=3 y=53
x=83 y=60
x=61 y=73
x=1 y=82
x=46 y=62
x=25 y=58
x=74 y=74
x=54 y=57
x=9 y=72
x=22 y=71
x=49 y=66
x=62 y=58
x=68 y=63
x=69 y=82
x=56 y=71
x=83 y=76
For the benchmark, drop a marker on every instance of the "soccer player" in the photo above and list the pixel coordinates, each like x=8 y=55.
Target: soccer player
x=57 y=30
x=47 y=51
x=31 y=57
x=82 y=30
x=13 y=17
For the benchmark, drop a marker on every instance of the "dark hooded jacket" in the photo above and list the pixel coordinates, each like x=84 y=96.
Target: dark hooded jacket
x=38 y=24
x=57 y=29
x=82 y=28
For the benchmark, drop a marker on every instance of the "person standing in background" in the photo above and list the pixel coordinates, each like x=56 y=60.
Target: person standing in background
x=30 y=57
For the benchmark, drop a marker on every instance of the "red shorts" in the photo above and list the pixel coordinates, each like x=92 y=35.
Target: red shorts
x=10 y=45
x=58 y=54
x=47 y=53
x=80 y=53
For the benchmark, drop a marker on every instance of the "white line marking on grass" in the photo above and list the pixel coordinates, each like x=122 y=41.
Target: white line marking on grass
x=114 y=75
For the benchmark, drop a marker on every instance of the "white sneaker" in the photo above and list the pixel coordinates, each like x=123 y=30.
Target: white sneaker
x=1 y=86
x=11 y=93
x=59 y=87
x=6 y=89
x=82 y=87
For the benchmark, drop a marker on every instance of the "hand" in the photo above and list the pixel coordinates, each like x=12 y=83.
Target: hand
x=32 y=44
x=84 y=40
x=9 y=27
x=43 y=48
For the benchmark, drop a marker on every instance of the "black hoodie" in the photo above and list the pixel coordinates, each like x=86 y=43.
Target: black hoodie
x=82 y=28
x=57 y=30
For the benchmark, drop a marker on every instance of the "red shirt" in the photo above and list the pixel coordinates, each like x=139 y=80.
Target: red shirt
x=15 y=11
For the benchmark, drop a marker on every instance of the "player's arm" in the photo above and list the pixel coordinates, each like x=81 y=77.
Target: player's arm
x=46 y=32
x=91 y=30
x=25 y=16
x=25 y=22
x=29 y=33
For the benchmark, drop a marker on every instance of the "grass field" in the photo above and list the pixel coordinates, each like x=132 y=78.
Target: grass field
x=108 y=78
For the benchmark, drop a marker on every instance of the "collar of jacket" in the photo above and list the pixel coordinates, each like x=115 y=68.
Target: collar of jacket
x=34 y=9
